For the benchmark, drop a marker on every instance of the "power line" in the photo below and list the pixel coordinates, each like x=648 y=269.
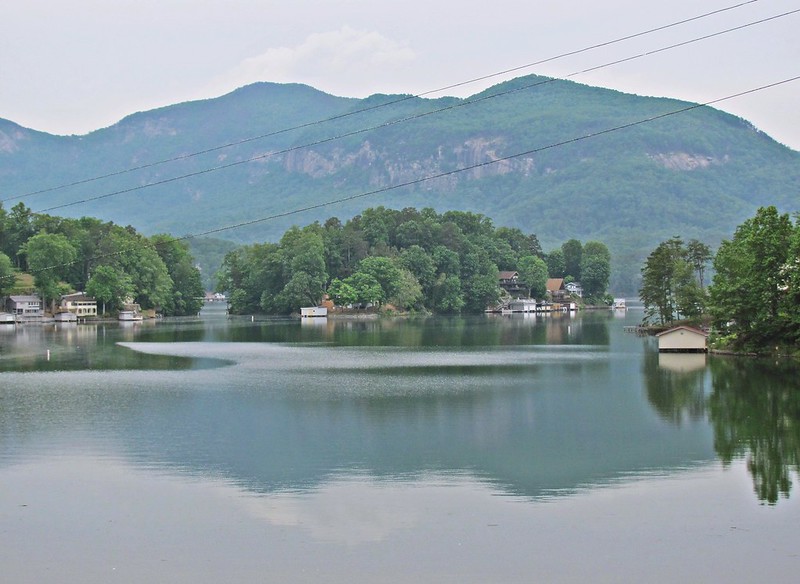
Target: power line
x=377 y=106
x=489 y=162
x=414 y=116
x=444 y=174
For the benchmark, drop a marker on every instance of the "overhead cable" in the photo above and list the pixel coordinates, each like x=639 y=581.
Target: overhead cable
x=377 y=106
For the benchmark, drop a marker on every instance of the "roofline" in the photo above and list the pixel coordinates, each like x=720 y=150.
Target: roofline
x=684 y=327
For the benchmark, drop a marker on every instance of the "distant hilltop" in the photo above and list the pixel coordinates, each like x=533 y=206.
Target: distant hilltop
x=631 y=184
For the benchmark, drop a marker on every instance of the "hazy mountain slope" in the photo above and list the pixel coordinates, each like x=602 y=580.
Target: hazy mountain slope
x=697 y=173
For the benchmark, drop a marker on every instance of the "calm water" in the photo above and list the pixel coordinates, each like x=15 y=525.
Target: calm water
x=489 y=449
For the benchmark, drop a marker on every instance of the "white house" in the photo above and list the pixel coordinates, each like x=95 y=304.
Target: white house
x=79 y=304
x=682 y=339
x=312 y=311
x=25 y=306
x=574 y=288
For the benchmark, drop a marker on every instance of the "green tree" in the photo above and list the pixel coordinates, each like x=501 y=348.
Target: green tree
x=533 y=272
x=447 y=296
x=187 y=287
x=791 y=274
x=19 y=229
x=342 y=293
x=479 y=282
x=751 y=289
x=109 y=286
x=595 y=269
x=367 y=289
x=698 y=254
x=302 y=289
x=446 y=260
x=385 y=272
x=573 y=253
x=420 y=263
x=48 y=257
x=556 y=266
x=659 y=283
x=7 y=277
x=409 y=291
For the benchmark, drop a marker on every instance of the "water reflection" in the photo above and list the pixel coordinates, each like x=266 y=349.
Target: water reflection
x=491 y=397
x=755 y=412
x=676 y=385
x=84 y=346
x=494 y=397
x=752 y=405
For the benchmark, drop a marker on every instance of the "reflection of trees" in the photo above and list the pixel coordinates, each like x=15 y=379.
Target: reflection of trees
x=675 y=389
x=755 y=410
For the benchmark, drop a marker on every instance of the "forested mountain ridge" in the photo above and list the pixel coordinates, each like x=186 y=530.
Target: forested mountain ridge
x=698 y=173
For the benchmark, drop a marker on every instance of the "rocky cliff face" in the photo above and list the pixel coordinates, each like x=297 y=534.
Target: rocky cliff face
x=686 y=161
x=483 y=155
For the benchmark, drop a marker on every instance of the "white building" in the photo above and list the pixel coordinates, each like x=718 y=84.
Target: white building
x=25 y=306
x=79 y=304
x=682 y=339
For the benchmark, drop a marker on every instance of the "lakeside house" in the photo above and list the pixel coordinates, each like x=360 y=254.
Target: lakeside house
x=556 y=290
x=25 y=307
x=574 y=288
x=509 y=281
x=79 y=304
x=682 y=339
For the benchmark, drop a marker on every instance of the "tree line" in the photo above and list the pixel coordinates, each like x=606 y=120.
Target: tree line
x=415 y=260
x=113 y=264
x=753 y=302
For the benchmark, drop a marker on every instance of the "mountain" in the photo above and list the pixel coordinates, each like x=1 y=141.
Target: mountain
x=697 y=173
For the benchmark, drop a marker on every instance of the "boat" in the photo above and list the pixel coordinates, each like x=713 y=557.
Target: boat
x=129 y=316
x=7 y=318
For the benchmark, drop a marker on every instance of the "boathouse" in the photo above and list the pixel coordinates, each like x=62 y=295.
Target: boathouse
x=682 y=339
x=313 y=311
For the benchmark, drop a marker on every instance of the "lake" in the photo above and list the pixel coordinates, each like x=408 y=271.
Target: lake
x=484 y=449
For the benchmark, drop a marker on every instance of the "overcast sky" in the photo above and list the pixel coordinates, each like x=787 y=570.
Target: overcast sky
x=70 y=67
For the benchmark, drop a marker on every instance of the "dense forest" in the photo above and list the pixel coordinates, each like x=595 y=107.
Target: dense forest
x=753 y=302
x=412 y=260
x=114 y=264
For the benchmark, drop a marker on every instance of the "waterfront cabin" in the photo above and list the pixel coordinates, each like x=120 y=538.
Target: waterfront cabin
x=314 y=311
x=682 y=339
x=25 y=307
x=556 y=290
x=574 y=288
x=79 y=304
x=509 y=281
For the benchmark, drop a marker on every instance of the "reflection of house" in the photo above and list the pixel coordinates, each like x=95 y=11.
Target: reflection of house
x=25 y=306
x=687 y=363
x=574 y=288
x=79 y=304
x=509 y=281
x=556 y=290
x=682 y=339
